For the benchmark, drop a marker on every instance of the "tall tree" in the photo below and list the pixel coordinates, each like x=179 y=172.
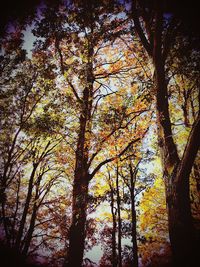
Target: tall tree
x=114 y=220
x=84 y=24
x=156 y=34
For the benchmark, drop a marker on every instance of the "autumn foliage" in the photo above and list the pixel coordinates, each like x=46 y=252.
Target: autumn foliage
x=99 y=136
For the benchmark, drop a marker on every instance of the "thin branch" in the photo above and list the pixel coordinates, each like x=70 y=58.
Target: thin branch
x=74 y=91
x=112 y=158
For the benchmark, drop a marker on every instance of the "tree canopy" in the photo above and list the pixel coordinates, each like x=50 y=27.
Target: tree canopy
x=99 y=134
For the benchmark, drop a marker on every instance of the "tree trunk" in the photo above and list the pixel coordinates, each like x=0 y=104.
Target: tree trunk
x=77 y=229
x=81 y=176
x=80 y=194
x=184 y=239
x=26 y=207
x=119 y=219
x=185 y=114
x=31 y=228
x=3 y=185
x=181 y=230
x=197 y=177
x=114 y=229
x=133 y=217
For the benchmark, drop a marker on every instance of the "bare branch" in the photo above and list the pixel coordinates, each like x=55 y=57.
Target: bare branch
x=74 y=91
x=112 y=158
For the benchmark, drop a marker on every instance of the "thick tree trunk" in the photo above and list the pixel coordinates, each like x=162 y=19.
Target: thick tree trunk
x=197 y=177
x=80 y=194
x=3 y=185
x=77 y=229
x=183 y=236
x=81 y=176
x=175 y=172
x=30 y=231
x=181 y=230
x=134 y=234
x=3 y=213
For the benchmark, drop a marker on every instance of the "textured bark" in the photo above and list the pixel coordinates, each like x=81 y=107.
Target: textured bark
x=80 y=191
x=176 y=172
x=185 y=114
x=181 y=226
x=197 y=177
x=77 y=229
x=81 y=174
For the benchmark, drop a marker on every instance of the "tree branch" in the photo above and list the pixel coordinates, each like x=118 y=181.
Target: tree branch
x=74 y=91
x=112 y=158
x=139 y=30
x=190 y=153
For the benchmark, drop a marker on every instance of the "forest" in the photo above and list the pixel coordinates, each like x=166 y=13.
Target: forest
x=99 y=134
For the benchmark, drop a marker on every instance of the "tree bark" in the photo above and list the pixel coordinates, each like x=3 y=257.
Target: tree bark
x=77 y=229
x=81 y=174
x=176 y=172
x=30 y=232
x=26 y=207
x=197 y=177
x=114 y=229
x=133 y=217
x=119 y=219
x=181 y=227
x=31 y=228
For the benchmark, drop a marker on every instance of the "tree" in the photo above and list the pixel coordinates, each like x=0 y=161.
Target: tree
x=84 y=32
x=156 y=34
x=27 y=171
x=153 y=222
x=114 y=220
x=77 y=128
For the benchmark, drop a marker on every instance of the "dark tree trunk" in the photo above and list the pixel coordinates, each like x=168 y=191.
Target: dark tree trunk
x=29 y=234
x=119 y=219
x=3 y=215
x=176 y=172
x=80 y=194
x=114 y=229
x=4 y=180
x=181 y=229
x=26 y=208
x=77 y=229
x=185 y=114
x=81 y=175
x=197 y=177
x=183 y=236
x=133 y=217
